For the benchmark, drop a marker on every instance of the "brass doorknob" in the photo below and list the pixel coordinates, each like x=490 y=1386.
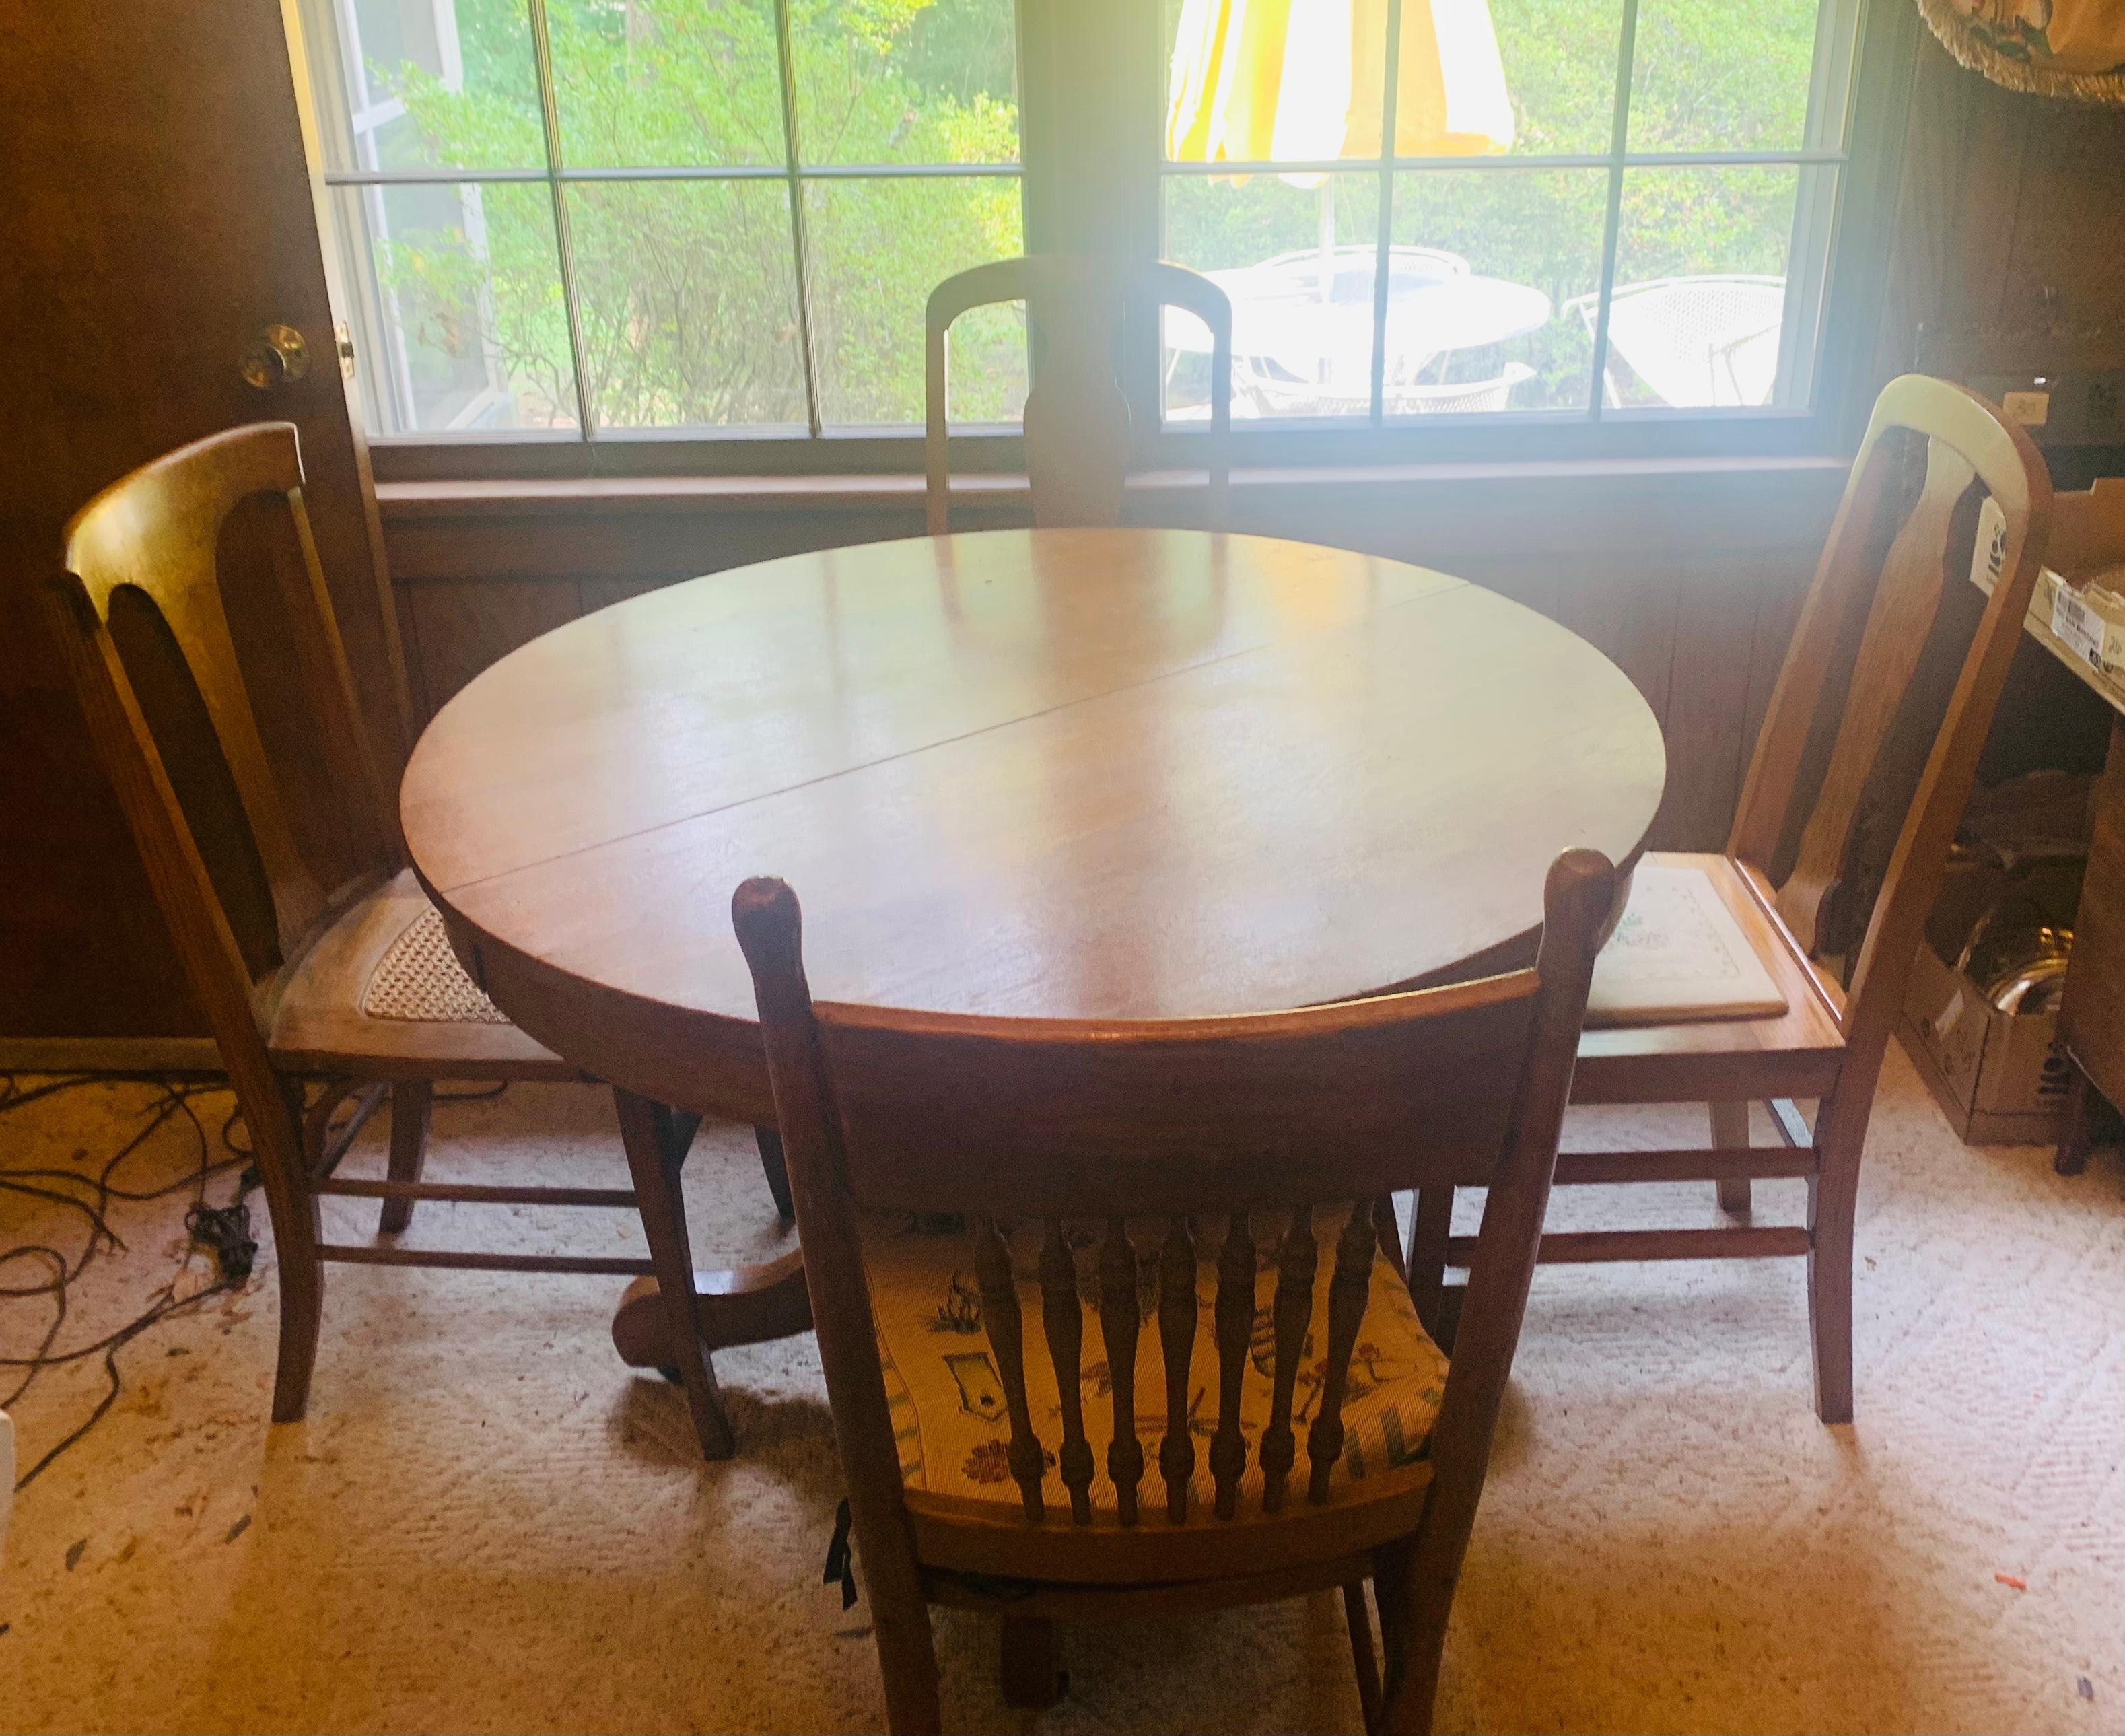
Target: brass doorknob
x=277 y=356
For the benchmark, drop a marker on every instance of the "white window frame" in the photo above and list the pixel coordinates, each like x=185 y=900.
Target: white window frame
x=1093 y=173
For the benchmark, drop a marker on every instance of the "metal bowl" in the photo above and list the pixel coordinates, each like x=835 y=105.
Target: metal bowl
x=2022 y=971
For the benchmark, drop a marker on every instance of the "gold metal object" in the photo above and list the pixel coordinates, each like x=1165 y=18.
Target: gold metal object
x=276 y=357
x=2017 y=960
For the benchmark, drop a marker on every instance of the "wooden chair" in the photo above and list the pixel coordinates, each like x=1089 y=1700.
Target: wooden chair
x=1169 y=1174
x=341 y=975
x=1857 y=749
x=1077 y=421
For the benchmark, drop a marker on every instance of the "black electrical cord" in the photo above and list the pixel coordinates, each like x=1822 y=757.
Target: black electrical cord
x=485 y=1094
x=224 y=1231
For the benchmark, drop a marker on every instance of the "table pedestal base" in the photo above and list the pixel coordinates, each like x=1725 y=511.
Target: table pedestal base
x=747 y=1305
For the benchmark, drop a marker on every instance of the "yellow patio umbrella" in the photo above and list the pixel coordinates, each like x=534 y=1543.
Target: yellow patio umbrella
x=1261 y=80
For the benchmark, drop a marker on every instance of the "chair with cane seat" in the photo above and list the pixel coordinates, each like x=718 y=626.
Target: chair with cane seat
x=1723 y=984
x=321 y=981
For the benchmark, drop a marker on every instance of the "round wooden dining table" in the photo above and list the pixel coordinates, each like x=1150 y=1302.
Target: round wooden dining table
x=1063 y=773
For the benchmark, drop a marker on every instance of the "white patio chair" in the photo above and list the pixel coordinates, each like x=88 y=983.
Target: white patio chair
x=1297 y=352
x=1460 y=397
x=1272 y=397
x=1694 y=341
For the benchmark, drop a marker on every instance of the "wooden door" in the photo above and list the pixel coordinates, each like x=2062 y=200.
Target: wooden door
x=159 y=216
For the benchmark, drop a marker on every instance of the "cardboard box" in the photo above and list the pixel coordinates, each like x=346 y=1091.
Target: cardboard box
x=1999 y=1080
x=2077 y=612
x=2089 y=623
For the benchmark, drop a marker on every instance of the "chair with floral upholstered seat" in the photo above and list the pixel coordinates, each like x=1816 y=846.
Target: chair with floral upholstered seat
x=1214 y=1192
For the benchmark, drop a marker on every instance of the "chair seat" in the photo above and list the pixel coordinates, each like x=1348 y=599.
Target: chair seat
x=948 y=1402
x=1713 y=1042
x=1678 y=954
x=380 y=993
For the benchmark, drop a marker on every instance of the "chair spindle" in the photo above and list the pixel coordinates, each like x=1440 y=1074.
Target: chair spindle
x=999 y=1314
x=1120 y=1319
x=1061 y=1314
x=1235 y=1324
x=1176 y=1335
x=1297 y=1260
x=1347 y=1294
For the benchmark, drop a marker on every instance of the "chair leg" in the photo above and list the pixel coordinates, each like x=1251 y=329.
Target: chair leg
x=1832 y=1201
x=288 y=1146
x=2071 y=1156
x=301 y=1317
x=1729 y=1132
x=1413 y=1616
x=1358 y=1618
x=412 y=1104
x=1427 y=1254
x=656 y=1142
x=1032 y=1676
x=907 y=1660
x=769 y=1139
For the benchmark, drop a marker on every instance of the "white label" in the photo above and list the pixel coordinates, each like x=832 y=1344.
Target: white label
x=1990 y=553
x=1949 y=1017
x=2077 y=627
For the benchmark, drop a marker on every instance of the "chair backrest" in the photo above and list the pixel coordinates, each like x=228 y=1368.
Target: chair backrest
x=1887 y=629
x=1077 y=420
x=155 y=534
x=1320 y=1111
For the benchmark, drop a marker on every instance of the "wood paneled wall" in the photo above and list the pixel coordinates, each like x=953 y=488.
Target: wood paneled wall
x=2008 y=251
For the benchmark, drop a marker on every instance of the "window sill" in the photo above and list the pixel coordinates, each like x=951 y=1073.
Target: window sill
x=579 y=497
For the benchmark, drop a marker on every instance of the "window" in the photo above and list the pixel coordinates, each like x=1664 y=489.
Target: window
x=599 y=221
x=1558 y=190
x=617 y=217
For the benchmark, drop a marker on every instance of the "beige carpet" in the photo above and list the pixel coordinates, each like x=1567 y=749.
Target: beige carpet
x=487 y=1523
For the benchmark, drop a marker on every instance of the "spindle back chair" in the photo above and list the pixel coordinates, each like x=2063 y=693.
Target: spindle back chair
x=1174 y=1141
x=1076 y=418
x=1860 y=778
x=341 y=985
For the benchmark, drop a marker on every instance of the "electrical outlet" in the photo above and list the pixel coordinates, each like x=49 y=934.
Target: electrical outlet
x=2031 y=409
x=2077 y=406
